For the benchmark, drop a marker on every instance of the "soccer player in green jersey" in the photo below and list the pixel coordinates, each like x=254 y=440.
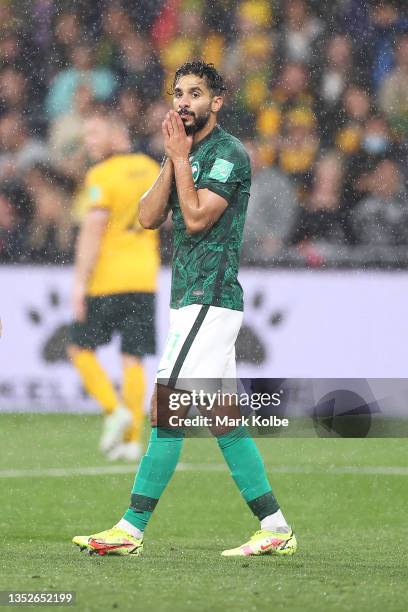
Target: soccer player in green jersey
x=205 y=182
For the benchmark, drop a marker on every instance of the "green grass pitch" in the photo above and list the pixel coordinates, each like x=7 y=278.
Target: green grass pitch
x=347 y=500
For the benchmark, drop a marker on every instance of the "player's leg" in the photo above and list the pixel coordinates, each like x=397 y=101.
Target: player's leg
x=158 y=464
x=85 y=337
x=155 y=471
x=213 y=356
x=133 y=396
x=94 y=377
x=248 y=472
x=136 y=325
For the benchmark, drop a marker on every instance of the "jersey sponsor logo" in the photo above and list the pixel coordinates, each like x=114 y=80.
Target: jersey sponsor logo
x=221 y=170
x=95 y=193
x=195 y=169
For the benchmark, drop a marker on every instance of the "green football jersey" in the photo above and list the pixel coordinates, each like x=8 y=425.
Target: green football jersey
x=205 y=265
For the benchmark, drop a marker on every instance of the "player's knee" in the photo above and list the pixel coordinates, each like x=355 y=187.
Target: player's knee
x=72 y=351
x=130 y=360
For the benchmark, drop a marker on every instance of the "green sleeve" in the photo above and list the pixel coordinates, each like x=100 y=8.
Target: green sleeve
x=225 y=170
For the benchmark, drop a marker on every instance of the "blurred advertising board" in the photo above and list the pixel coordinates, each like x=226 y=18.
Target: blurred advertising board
x=298 y=324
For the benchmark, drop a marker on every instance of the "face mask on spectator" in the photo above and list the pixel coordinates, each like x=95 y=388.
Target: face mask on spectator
x=375 y=143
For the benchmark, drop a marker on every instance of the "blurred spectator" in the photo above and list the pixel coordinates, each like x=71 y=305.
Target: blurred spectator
x=332 y=80
x=291 y=92
x=336 y=70
x=249 y=61
x=66 y=134
x=138 y=67
x=83 y=70
x=299 y=147
x=116 y=23
x=386 y=22
x=320 y=219
x=381 y=218
x=292 y=89
x=348 y=128
x=67 y=34
x=376 y=145
x=393 y=95
x=272 y=210
x=50 y=232
x=13 y=47
x=153 y=140
x=299 y=33
x=17 y=95
x=191 y=38
x=164 y=27
x=13 y=95
x=18 y=150
x=131 y=109
x=188 y=40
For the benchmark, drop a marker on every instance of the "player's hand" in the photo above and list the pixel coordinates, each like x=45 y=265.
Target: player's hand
x=79 y=302
x=177 y=144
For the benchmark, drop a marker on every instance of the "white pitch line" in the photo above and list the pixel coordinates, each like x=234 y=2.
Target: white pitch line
x=106 y=470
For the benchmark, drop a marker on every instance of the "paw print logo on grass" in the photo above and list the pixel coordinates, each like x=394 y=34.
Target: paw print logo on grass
x=251 y=346
x=53 y=347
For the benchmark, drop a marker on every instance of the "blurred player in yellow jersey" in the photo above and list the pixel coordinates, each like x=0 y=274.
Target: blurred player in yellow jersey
x=116 y=265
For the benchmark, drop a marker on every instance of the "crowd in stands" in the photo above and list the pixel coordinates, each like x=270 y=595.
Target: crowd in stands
x=318 y=92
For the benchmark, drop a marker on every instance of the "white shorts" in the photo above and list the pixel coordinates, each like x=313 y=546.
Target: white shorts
x=200 y=344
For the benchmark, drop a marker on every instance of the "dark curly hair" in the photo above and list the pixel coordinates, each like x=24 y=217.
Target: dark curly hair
x=213 y=79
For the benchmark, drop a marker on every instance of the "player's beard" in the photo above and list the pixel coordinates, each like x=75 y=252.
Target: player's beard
x=200 y=121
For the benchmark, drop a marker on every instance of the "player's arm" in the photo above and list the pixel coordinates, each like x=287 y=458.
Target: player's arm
x=86 y=253
x=153 y=206
x=200 y=208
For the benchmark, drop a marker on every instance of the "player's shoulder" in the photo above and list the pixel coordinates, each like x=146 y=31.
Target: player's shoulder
x=145 y=161
x=113 y=167
x=100 y=171
x=125 y=160
x=137 y=165
x=232 y=146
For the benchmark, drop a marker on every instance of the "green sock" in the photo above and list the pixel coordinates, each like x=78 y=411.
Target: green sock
x=154 y=473
x=248 y=471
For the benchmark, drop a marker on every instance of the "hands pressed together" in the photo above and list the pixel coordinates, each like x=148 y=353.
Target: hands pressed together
x=177 y=144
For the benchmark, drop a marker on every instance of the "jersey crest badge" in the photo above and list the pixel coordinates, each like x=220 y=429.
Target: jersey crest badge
x=195 y=169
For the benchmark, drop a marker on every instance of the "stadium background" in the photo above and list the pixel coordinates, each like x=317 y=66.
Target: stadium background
x=318 y=92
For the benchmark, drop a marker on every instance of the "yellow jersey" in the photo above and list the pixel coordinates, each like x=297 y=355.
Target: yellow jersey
x=128 y=259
